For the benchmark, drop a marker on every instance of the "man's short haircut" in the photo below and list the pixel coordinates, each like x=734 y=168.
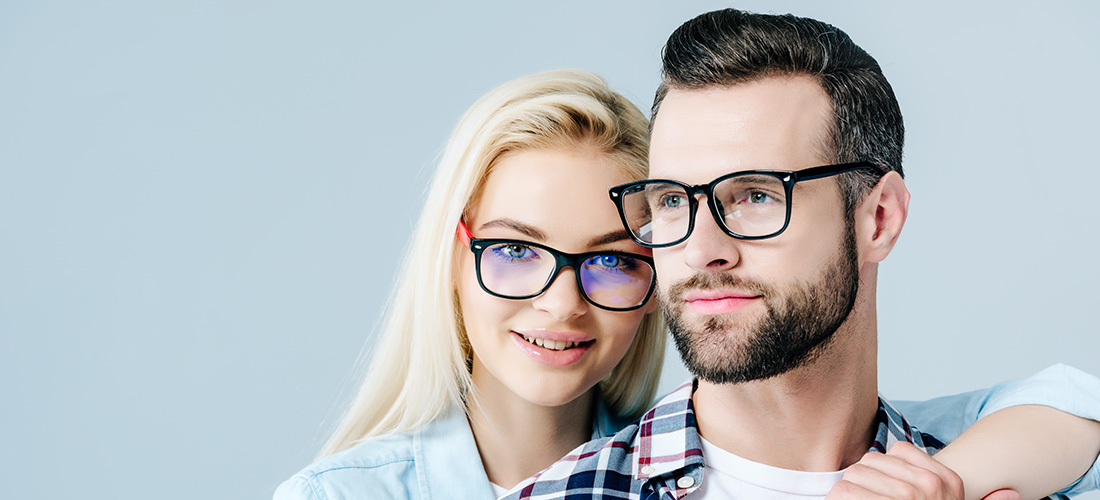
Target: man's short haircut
x=729 y=47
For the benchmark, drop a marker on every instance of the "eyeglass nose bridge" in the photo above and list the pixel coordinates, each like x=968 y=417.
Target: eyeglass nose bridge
x=560 y=263
x=694 y=192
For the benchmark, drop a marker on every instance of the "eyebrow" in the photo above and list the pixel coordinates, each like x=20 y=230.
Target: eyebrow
x=535 y=233
x=517 y=226
x=611 y=237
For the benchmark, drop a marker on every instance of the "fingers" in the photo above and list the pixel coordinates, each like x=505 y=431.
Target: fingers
x=918 y=458
x=848 y=490
x=905 y=472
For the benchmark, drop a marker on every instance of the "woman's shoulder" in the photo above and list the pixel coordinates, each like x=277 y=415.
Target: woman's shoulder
x=438 y=460
x=385 y=466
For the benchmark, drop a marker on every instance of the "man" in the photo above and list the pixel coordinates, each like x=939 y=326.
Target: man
x=776 y=189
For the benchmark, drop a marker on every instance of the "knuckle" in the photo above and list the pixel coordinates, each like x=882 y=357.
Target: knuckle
x=872 y=458
x=928 y=481
x=901 y=448
x=844 y=489
x=856 y=470
x=908 y=491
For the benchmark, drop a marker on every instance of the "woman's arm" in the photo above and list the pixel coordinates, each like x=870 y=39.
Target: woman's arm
x=1035 y=450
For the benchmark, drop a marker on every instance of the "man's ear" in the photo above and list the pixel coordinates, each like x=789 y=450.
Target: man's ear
x=880 y=217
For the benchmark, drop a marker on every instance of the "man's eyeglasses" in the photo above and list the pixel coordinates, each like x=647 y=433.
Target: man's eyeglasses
x=516 y=269
x=748 y=205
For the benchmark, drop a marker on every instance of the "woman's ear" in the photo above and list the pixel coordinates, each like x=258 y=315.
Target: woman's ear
x=880 y=217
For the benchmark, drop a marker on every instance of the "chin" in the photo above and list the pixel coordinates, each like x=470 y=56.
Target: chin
x=551 y=399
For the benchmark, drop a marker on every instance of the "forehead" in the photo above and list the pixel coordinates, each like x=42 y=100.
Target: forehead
x=775 y=123
x=563 y=193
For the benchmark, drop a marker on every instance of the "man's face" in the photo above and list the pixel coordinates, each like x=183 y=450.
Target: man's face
x=747 y=310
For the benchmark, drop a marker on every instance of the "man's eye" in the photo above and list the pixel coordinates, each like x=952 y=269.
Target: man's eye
x=758 y=197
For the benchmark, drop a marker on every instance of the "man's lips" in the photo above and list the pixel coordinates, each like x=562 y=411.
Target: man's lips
x=718 y=301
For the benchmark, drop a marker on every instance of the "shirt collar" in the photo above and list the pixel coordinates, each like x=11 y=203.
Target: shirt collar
x=668 y=436
x=447 y=460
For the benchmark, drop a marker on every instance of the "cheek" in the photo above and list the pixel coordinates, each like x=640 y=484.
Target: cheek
x=474 y=302
x=484 y=315
x=808 y=254
x=669 y=267
x=622 y=328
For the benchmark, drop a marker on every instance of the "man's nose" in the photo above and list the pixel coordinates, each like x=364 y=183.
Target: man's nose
x=708 y=247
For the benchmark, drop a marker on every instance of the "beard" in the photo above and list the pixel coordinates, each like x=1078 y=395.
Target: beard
x=800 y=321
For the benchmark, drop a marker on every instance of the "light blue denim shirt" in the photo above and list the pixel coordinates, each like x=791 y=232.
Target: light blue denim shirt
x=437 y=461
x=441 y=461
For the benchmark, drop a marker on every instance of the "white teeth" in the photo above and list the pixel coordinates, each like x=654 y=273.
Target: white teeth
x=553 y=345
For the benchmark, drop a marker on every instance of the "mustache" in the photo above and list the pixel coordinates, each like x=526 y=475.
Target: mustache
x=715 y=281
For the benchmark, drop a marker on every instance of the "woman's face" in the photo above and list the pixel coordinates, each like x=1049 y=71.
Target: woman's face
x=558 y=199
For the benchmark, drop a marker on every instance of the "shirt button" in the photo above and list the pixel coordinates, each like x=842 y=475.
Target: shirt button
x=647 y=470
x=685 y=482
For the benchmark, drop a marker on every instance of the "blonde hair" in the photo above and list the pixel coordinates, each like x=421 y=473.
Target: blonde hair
x=420 y=368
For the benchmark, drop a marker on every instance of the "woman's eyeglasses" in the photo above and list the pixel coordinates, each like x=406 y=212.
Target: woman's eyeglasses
x=517 y=269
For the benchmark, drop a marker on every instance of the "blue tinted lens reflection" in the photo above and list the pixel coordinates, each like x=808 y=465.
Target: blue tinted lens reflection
x=617 y=281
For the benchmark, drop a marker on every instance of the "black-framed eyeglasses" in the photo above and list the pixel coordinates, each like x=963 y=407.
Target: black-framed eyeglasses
x=748 y=205
x=517 y=269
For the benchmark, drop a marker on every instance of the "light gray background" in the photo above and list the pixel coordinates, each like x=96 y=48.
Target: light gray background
x=202 y=205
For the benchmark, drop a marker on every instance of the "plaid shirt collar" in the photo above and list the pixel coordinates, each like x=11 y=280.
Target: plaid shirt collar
x=668 y=439
x=661 y=455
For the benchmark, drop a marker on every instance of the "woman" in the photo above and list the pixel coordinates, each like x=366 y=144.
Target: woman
x=523 y=323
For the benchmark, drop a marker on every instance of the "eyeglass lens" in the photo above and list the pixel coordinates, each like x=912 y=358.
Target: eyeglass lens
x=610 y=280
x=750 y=205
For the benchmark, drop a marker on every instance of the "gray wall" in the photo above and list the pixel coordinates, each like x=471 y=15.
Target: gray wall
x=202 y=204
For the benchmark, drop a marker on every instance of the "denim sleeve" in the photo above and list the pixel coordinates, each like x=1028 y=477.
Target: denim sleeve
x=295 y=488
x=1059 y=386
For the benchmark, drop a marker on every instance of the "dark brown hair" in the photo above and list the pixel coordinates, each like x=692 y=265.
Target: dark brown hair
x=729 y=47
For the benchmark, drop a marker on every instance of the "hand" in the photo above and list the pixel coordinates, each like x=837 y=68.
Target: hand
x=904 y=472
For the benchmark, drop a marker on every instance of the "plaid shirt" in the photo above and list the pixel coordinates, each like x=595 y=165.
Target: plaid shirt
x=661 y=456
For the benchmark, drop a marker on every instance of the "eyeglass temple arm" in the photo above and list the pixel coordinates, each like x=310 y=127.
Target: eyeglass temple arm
x=463 y=233
x=827 y=170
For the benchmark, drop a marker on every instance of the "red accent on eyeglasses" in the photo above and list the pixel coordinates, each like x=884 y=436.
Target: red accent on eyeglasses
x=463 y=233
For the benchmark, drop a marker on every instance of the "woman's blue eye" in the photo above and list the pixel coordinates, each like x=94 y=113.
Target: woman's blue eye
x=606 y=260
x=612 y=262
x=672 y=201
x=514 y=252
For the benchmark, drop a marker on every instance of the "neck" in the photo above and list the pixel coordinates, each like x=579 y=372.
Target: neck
x=516 y=438
x=819 y=417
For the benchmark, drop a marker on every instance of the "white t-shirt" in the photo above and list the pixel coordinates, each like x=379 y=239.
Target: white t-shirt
x=730 y=476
